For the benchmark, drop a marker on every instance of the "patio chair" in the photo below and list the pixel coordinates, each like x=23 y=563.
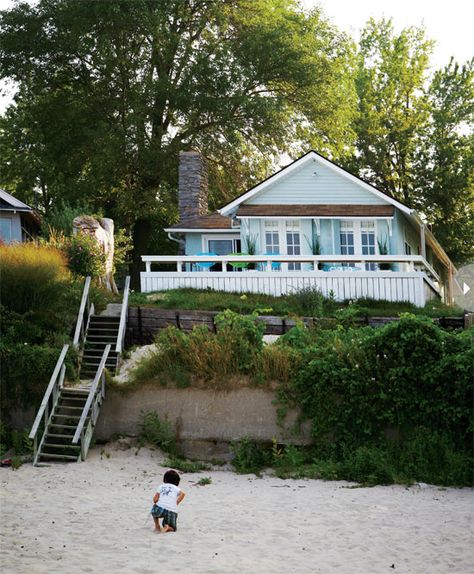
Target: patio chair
x=237 y=265
x=204 y=265
x=276 y=265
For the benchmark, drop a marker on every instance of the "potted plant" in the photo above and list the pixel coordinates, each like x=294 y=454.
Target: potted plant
x=315 y=247
x=383 y=250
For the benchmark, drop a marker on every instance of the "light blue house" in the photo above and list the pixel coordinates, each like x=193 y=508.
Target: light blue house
x=310 y=224
x=18 y=221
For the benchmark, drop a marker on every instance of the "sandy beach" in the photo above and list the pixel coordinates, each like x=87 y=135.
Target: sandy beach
x=94 y=517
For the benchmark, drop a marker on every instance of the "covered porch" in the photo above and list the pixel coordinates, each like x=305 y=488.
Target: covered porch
x=340 y=276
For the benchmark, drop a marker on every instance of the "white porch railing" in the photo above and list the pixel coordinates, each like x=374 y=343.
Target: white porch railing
x=415 y=280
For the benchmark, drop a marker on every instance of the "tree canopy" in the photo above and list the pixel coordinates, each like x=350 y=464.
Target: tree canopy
x=109 y=93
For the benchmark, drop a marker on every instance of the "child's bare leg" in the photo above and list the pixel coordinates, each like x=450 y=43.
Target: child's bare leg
x=167 y=528
x=157 y=524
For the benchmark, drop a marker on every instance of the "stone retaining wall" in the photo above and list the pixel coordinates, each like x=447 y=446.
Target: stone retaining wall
x=206 y=421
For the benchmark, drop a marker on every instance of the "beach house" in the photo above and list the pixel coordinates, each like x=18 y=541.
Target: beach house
x=18 y=221
x=311 y=224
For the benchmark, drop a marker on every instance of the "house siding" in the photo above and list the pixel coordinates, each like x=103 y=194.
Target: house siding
x=15 y=220
x=327 y=187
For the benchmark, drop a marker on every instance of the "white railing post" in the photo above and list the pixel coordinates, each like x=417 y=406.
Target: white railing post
x=224 y=266
x=179 y=266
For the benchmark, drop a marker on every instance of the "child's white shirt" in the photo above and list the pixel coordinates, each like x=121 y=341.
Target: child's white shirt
x=168 y=495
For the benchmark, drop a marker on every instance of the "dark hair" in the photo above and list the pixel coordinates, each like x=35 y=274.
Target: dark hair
x=171 y=477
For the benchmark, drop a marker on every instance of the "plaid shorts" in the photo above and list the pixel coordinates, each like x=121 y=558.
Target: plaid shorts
x=170 y=518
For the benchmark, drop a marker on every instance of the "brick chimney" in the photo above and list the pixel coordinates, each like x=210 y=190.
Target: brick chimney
x=193 y=185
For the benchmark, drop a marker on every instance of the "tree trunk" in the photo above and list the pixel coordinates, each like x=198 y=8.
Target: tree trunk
x=141 y=240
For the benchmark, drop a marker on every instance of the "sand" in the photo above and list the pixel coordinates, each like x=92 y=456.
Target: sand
x=94 y=517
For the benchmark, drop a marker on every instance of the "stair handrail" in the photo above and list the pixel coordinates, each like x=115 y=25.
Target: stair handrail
x=123 y=317
x=99 y=377
x=55 y=383
x=83 y=310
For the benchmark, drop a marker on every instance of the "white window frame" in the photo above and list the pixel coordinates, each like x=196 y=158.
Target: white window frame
x=357 y=228
x=281 y=227
x=215 y=237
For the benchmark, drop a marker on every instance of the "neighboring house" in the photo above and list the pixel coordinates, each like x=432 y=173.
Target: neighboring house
x=18 y=221
x=310 y=224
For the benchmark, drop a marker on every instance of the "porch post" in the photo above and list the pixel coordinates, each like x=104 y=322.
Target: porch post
x=449 y=295
x=422 y=241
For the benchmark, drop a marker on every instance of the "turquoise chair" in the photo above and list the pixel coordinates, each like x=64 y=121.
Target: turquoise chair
x=204 y=265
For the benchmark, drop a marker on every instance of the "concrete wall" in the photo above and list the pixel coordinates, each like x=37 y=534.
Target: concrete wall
x=200 y=416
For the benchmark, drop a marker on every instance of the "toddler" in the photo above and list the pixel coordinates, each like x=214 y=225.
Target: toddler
x=166 y=502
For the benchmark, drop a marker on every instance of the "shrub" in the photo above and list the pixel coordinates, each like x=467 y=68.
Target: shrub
x=157 y=432
x=85 y=255
x=250 y=456
x=308 y=302
x=368 y=466
x=33 y=277
x=236 y=348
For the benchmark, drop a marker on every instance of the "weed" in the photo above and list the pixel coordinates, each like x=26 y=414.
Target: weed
x=157 y=432
x=205 y=480
x=250 y=456
x=186 y=465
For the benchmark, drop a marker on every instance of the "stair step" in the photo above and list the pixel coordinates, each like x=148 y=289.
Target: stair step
x=55 y=445
x=73 y=393
x=56 y=435
x=69 y=407
x=57 y=456
x=66 y=416
x=57 y=425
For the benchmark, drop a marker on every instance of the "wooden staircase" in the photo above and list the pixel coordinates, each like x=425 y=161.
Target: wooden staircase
x=57 y=444
x=65 y=422
x=103 y=330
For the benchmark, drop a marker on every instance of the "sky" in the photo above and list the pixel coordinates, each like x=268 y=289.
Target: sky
x=450 y=24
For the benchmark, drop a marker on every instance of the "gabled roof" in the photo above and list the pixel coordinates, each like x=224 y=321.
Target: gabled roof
x=307 y=157
x=13 y=204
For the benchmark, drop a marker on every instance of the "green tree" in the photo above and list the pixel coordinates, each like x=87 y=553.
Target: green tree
x=445 y=166
x=392 y=69
x=110 y=92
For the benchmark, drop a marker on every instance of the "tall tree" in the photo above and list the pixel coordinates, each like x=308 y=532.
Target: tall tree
x=392 y=69
x=445 y=167
x=110 y=92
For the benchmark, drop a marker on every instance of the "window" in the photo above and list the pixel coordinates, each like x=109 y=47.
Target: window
x=272 y=239
x=346 y=237
x=293 y=242
x=367 y=238
x=223 y=246
x=407 y=248
x=359 y=238
x=6 y=229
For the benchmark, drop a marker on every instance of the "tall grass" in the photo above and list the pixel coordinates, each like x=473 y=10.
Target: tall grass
x=31 y=277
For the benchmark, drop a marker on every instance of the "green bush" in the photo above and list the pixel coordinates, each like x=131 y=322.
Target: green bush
x=307 y=302
x=85 y=255
x=157 y=432
x=250 y=456
x=235 y=349
x=368 y=466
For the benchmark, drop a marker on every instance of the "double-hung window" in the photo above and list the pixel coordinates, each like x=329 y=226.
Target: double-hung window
x=293 y=242
x=358 y=237
x=367 y=239
x=346 y=238
x=272 y=238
